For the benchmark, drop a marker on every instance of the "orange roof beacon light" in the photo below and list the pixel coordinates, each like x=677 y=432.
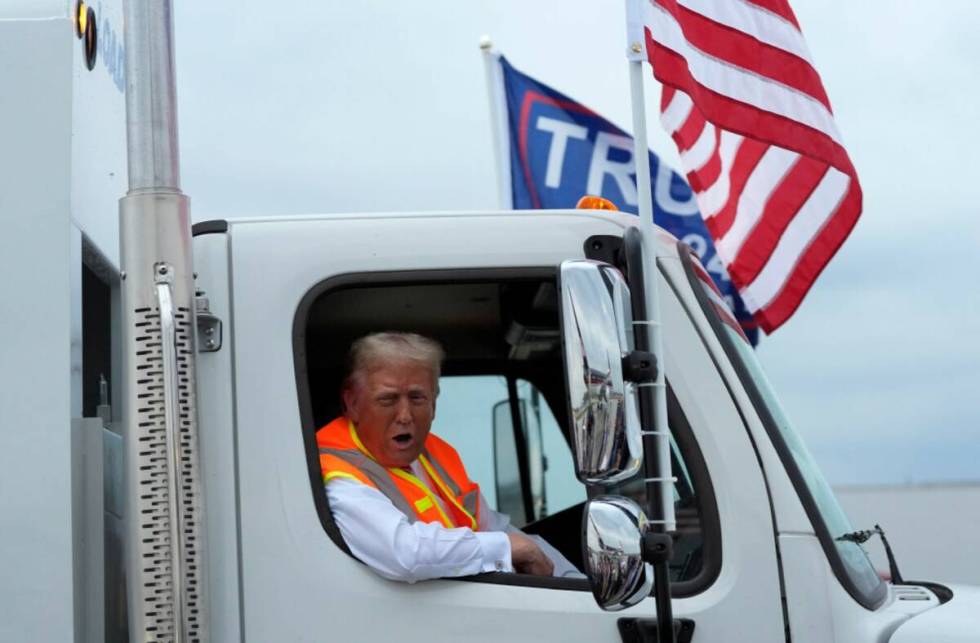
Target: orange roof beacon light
x=590 y=202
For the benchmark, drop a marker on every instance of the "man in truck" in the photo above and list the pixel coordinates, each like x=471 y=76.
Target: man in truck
x=400 y=495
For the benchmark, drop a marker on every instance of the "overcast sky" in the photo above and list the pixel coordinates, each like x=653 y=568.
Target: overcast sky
x=302 y=107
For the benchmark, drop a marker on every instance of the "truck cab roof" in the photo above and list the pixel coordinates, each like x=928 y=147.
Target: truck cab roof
x=666 y=242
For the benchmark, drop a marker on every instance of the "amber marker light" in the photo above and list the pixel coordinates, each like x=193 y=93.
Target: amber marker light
x=81 y=19
x=85 y=29
x=589 y=202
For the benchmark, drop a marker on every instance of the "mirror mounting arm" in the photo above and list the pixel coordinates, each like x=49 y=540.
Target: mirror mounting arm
x=657 y=548
x=640 y=367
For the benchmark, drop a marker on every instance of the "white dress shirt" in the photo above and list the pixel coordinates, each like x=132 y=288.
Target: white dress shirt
x=381 y=536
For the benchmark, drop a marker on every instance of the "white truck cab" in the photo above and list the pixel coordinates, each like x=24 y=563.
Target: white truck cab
x=162 y=393
x=755 y=550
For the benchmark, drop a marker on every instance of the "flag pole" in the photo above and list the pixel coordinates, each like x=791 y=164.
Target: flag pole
x=659 y=477
x=652 y=291
x=636 y=57
x=498 y=122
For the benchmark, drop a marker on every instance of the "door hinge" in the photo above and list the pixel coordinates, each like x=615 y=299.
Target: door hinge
x=208 y=325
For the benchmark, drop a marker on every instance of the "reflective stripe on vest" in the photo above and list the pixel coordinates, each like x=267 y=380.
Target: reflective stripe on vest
x=374 y=472
x=421 y=505
x=453 y=491
x=471 y=500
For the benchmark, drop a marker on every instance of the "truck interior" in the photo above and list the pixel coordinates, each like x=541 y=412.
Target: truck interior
x=96 y=325
x=503 y=323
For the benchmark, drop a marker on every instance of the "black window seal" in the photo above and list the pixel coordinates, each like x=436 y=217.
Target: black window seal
x=520 y=433
x=871 y=601
x=693 y=458
x=379 y=279
x=707 y=504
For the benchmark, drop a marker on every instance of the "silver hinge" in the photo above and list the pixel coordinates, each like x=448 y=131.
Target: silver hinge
x=208 y=325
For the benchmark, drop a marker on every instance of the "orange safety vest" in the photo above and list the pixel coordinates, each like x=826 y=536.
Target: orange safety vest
x=342 y=455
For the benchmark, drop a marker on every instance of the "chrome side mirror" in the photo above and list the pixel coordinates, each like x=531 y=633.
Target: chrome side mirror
x=596 y=332
x=612 y=552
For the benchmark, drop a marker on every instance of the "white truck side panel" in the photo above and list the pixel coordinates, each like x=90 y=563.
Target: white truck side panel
x=749 y=580
x=954 y=622
x=821 y=610
x=816 y=600
x=63 y=170
x=215 y=410
x=37 y=247
x=98 y=134
x=298 y=585
x=806 y=574
x=15 y=10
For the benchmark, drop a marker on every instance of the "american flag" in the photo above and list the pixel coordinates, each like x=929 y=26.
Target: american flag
x=716 y=300
x=757 y=140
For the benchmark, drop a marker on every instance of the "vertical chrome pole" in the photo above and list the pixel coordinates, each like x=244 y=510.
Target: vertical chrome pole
x=164 y=519
x=151 y=96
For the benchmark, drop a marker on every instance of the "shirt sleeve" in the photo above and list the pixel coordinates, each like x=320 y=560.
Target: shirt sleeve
x=379 y=534
x=563 y=567
x=491 y=520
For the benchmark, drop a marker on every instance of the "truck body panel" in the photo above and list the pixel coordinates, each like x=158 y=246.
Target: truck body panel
x=218 y=443
x=291 y=569
x=954 y=622
x=58 y=215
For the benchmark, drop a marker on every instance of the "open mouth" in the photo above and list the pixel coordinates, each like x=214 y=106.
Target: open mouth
x=403 y=439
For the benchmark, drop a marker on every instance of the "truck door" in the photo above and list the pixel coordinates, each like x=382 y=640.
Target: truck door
x=496 y=323
x=705 y=554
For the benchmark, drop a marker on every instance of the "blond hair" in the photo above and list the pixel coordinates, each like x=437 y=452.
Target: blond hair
x=374 y=350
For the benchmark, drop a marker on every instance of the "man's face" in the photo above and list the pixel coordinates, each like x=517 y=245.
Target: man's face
x=392 y=407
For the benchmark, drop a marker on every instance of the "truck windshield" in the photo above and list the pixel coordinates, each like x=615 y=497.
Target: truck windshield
x=848 y=559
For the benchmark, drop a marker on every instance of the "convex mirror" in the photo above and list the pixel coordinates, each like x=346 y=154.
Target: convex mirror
x=597 y=332
x=612 y=552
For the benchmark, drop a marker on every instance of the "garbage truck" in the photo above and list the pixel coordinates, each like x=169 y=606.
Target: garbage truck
x=163 y=384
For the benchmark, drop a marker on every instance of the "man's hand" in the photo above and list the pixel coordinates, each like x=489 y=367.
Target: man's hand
x=527 y=557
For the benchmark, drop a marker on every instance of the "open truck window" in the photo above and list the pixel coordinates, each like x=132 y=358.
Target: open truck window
x=528 y=474
x=502 y=403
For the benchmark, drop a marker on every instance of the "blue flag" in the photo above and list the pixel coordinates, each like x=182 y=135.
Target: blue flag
x=561 y=150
